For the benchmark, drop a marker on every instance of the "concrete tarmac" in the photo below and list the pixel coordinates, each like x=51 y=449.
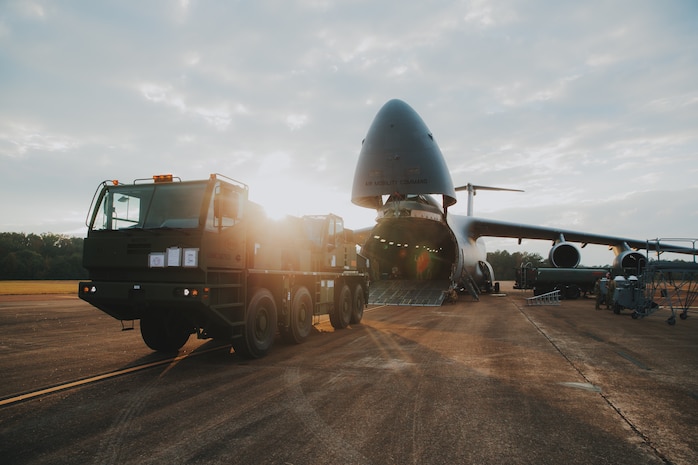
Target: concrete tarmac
x=488 y=382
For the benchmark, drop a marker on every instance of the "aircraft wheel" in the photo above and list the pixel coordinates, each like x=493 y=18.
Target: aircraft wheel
x=635 y=315
x=260 y=326
x=573 y=292
x=163 y=331
x=563 y=292
x=683 y=316
x=671 y=321
x=301 y=322
x=340 y=317
x=616 y=309
x=357 y=311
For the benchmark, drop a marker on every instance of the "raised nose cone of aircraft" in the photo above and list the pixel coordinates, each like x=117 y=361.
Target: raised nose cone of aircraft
x=400 y=156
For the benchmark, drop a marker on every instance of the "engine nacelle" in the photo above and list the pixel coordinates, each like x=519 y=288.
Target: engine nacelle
x=564 y=255
x=630 y=260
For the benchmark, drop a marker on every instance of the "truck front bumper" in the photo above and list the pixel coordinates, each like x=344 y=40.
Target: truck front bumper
x=130 y=301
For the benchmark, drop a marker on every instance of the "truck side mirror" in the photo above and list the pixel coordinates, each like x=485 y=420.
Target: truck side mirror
x=226 y=207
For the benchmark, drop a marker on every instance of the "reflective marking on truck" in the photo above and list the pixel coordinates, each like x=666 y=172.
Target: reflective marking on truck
x=174 y=256
x=156 y=260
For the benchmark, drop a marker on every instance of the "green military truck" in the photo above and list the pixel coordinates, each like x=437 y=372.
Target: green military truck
x=198 y=257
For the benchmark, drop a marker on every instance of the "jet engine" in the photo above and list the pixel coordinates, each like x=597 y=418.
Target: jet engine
x=564 y=255
x=630 y=260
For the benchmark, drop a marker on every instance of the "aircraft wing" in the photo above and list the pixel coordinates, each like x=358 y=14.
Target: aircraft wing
x=480 y=227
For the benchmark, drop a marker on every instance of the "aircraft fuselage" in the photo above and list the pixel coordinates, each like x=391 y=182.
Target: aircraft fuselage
x=401 y=173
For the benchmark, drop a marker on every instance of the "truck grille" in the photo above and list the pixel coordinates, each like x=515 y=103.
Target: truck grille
x=138 y=249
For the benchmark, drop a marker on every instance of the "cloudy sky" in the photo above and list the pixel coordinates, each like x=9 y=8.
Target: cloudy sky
x=590 y=107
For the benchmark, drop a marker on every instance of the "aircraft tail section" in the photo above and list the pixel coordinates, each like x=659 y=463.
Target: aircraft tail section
x=409 y=292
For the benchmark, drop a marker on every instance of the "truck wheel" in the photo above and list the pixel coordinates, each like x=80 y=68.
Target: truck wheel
x=165 y=332
x=357 y=311
x=341 y=313
x=260 y=326
x=301 y=321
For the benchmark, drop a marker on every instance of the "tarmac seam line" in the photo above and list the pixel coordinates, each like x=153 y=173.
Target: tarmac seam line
x=646 y=440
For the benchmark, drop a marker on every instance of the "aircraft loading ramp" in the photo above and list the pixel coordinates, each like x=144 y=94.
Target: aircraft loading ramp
x=408 y=292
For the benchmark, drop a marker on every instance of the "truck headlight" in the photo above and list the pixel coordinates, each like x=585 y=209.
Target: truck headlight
x=188 y=292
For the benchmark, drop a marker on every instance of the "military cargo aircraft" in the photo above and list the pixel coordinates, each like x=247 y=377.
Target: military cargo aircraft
x=417 y=250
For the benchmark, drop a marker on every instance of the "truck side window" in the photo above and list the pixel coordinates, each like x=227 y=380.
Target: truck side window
x=335 y=232
x=339 y=230
x=314 y=230
x=330 y=234
x=118 y=210
x=127 y=211
x=102 y=216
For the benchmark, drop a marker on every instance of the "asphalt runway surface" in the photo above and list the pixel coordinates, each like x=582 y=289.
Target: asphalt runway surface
x=488 y=382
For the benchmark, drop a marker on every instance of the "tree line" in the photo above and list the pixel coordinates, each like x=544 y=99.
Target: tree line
x=40 y=256
x=57 y=256
x=504 y=264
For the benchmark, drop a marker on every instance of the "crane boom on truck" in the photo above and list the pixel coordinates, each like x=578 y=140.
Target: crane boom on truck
x=198 y=257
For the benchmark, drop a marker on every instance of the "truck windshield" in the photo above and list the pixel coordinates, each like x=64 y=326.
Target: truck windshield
x=150 y=206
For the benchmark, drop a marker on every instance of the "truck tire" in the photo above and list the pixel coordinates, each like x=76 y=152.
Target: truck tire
x=357 y=312
x=340 y=316
x=260 y=326
x=164 y=331
x=301 y=318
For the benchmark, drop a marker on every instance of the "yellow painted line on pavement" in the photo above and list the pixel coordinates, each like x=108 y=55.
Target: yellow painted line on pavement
x=94 y=379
